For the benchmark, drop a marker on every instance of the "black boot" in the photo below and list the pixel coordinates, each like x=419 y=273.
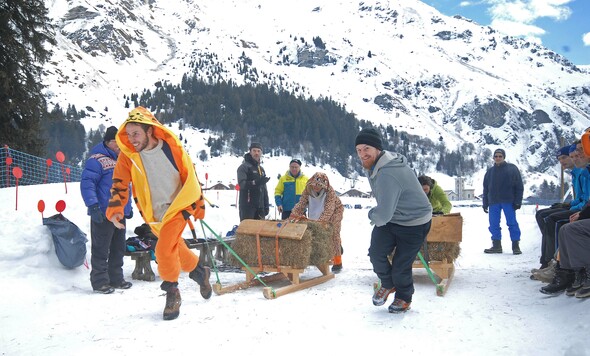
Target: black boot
x=579 y=280
x=201 y=275
x=496 y=247
x=515 y=248
x=562 y=280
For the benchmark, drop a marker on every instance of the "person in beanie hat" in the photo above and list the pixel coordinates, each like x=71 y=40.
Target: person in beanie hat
x=401 y=219
x=502 y=191
x=107 y=242
x=289 y=188
x=252 y=179
x=167 y=193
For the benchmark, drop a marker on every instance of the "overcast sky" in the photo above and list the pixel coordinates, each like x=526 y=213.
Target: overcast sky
x=561 y=25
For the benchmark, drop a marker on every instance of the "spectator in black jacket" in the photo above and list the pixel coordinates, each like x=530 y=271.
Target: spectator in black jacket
x=502 y=190
x=252 y=180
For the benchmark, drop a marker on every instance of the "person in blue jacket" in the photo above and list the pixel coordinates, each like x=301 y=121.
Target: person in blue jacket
x=502 y=191
x=107 y=242
x=289 y=188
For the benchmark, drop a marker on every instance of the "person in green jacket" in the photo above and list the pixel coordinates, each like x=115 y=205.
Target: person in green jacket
x=437 y=197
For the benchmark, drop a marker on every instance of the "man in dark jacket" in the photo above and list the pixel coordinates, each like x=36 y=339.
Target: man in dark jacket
x=107 y=242
x=502 y=190
x=252 y=180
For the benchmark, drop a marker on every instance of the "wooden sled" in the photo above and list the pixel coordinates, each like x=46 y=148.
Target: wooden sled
x=444 y=270
x=292 y=274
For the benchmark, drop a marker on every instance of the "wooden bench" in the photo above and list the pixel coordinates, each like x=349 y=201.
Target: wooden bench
x=143 y=267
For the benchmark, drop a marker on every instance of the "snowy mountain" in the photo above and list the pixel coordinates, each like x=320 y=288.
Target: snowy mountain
x=397 y=62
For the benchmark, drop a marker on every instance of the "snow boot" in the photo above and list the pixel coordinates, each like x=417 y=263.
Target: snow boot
x=106 y=289
x=173 y=301
x=201 y=275
x=546 y=275
x=496 y=247
x=584 y=291
x=515 y=248
x=399 y=306
x=579 y=280
x=381 y=294
x=562 y=280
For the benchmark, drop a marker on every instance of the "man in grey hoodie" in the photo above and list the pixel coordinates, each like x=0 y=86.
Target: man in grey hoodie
x=401 y=217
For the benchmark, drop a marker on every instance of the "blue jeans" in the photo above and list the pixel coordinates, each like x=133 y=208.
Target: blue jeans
x=510 y=215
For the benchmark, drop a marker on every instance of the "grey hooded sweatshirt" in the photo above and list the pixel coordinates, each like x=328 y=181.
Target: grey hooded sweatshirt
x=400 y=198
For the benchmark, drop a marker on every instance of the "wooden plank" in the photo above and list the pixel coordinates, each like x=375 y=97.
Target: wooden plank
x=446 y=228
x=268 y=294
x=219 y=290
x=267 y=228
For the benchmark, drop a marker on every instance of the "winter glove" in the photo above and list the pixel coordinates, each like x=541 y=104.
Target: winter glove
x=96 y=214
x=485 y=209
x=438 y=213
x=130 y=215
x=516 y=206
x=266 y=211
x=262 y=180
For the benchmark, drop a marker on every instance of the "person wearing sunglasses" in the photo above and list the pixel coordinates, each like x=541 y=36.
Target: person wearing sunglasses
x=502 y=191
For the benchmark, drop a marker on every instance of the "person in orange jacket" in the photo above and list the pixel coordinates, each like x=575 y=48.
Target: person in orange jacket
x=167 y=193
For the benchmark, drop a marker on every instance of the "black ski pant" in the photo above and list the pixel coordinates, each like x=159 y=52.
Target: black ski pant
x=107 y=251
x=551 y=229
x=406 y=241
x=540 y=217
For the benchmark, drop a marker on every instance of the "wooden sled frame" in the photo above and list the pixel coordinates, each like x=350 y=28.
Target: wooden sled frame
x=292 y=274
x=443 y=269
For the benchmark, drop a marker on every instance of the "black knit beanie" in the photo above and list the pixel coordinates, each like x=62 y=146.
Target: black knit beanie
x=110 y=134
x=369 y=136
x=499 y=150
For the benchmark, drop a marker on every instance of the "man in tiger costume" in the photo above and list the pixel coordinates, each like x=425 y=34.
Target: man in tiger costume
x=323 y=205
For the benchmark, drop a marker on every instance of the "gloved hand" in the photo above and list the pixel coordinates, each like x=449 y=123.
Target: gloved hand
x=438 y=213
x=266 y=211
x=516 y=206
x=262 y=180
x=96 y=214
x=555 y=205
x=130 y=215
x=485 y=209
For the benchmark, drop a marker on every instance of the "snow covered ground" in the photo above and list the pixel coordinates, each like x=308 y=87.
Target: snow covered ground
x=491 y=307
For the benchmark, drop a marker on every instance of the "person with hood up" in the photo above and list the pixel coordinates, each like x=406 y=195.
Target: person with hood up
x=252 y=179
x=289 y=188
x=167 y=193
x=107 y=243
x=322 y=204
x=401 y=219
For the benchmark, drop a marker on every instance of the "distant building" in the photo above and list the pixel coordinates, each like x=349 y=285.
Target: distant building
x=355 y=193
x=462 y=193
x=219 y=186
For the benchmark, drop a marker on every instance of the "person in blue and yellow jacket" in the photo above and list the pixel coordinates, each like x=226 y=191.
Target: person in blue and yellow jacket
x=166 y=192
x=289 y=188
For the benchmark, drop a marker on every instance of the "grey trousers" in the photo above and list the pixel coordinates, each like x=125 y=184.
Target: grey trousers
x=574 y=245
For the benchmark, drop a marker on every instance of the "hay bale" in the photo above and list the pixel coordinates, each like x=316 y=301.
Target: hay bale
x=439 y=251
x=313 y=248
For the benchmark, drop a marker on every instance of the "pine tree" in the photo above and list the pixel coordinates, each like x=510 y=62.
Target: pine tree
x=24 y=30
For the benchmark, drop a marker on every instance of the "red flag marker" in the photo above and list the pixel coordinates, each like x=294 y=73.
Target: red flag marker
x=8 y=163
x=41 y=207
x=18 y=174
x=61 y=158
x=48 y=162
x=60 y=206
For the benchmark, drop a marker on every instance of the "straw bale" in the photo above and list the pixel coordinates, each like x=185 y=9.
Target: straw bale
x=439 y=251
x=313 y=248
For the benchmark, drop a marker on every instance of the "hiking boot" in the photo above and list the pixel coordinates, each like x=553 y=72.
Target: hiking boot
x=545 y=275
x=399 y=306
x=562 y=280
x=201 y=275
x=123 y=285
x=579 y=280
x=337 y=268
x=496 y=247
x=515 y=248
x=381 y=294
x=584 y=291
x=544 y=266
x=106 y=289
x=173 y=301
